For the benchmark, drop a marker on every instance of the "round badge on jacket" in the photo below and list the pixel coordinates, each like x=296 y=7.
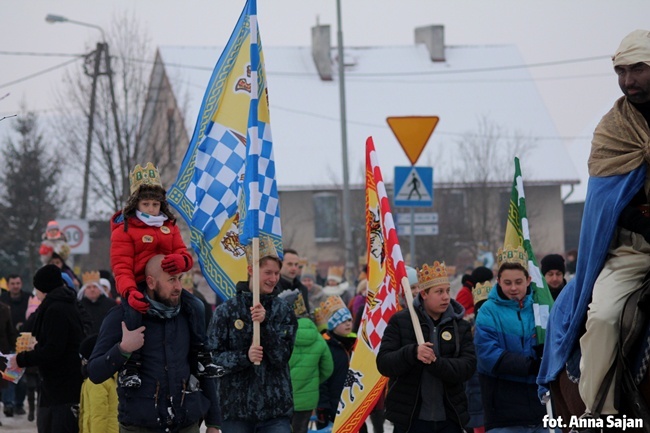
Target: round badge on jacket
x=147 y=239
x=165 y=230
x=239 y=324
x=446 y=336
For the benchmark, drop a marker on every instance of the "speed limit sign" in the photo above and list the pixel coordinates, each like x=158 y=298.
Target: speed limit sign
x=77 y=234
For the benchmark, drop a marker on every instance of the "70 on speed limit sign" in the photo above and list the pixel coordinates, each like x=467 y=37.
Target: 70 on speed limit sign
x=77 y=234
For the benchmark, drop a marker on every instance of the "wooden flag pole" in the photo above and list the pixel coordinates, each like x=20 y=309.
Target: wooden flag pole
x=256 y=289
x=414 y=317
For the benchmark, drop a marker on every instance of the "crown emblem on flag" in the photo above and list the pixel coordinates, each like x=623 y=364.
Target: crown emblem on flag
x=509 y=254
x=267 y=249
x=431 y=276
x=481 y=291
x=90 y=277
x=147 y=175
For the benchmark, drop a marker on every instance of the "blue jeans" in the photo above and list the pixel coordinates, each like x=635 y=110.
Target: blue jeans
x=519 y=429
x=14 y=394
x=276 y=425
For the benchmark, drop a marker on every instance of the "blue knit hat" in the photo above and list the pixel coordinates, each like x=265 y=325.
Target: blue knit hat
x=338 y=317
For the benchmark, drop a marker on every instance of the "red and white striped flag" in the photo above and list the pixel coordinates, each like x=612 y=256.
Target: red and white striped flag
x=364 y=385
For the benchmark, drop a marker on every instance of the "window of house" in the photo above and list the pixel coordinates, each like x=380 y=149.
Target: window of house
x=327 y=214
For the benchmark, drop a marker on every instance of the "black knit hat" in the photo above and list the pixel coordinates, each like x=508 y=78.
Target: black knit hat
x=481 y=275
x=553 y=262
x=48 y=278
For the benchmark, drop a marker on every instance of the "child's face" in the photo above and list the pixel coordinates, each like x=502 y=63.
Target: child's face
x=344 y=328
x=150 y=207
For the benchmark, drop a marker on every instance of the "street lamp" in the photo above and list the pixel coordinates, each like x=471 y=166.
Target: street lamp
x=51 y=18
x=102 y=49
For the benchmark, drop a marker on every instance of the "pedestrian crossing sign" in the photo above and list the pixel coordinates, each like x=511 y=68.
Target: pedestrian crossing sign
x=413 y=186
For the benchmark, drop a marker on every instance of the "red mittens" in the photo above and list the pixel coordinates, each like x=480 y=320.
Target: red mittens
x=137 y=302
x=173 y=264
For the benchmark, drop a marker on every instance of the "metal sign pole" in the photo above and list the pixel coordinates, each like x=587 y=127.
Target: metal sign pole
x=412 y=241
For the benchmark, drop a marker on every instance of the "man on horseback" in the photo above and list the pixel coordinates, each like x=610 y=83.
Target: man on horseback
x=614 y=251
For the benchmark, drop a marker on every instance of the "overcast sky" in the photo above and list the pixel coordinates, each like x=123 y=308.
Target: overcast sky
x=550 y=31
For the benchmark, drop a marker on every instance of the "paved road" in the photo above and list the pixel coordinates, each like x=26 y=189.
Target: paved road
x=17 y=424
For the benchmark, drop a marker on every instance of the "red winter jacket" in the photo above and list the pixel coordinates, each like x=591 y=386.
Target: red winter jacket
x=132 y=249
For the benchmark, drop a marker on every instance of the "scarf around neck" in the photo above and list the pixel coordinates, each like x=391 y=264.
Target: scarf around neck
x=161 y=311
x=621 y=141
x=151 y=220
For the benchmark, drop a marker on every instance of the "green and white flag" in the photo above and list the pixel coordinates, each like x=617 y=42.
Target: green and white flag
x=518 y=234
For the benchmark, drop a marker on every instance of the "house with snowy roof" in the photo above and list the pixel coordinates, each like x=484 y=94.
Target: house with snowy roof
x=489 y=109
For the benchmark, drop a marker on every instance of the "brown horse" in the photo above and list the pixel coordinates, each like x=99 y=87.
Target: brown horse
x=634 y=400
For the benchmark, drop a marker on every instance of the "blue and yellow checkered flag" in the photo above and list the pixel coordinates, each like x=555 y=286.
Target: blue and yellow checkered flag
x=211 y=188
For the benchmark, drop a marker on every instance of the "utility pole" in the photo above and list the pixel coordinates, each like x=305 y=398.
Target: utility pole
x=91 y=125
x=347 y=225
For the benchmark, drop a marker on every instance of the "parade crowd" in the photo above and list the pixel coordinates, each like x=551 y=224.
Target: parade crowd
x=139 y=349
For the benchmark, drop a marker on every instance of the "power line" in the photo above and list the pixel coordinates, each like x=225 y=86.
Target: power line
x=44 y=71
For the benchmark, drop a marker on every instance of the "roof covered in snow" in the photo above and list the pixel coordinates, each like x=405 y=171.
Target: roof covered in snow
x=475 y=85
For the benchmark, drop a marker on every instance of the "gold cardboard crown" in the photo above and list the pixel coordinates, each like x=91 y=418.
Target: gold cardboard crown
x=320 y=317
x=309 y=270
x=509 y=254
x=481 y=291
x=299 y=307
x=331 y=305
x=90 y=277
x=336 y=273
x=267 y=249
x=144 y=176
x=432 y=276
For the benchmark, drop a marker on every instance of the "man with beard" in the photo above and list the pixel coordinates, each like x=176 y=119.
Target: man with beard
x=170 y=398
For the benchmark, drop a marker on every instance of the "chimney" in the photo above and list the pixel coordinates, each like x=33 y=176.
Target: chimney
x=433 y=37
x=320 y=51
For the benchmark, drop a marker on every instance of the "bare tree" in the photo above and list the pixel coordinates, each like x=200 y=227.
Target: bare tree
x=120 y=97
x=473 y=209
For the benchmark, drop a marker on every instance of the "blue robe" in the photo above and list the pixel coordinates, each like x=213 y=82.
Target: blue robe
x=606 y=198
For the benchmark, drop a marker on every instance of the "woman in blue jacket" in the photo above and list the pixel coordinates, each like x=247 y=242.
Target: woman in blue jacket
x=507 y=352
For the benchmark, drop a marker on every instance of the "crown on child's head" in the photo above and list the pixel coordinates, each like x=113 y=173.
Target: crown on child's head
x=509 y=254
x=336 y=273
x=90 y=277
x=267 y=249
x=309 y=271
x=147 y=175
x=431 y=276
x=331 y=305
x=481 y=291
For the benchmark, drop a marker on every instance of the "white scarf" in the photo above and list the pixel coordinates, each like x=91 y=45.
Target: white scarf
x=151 y=220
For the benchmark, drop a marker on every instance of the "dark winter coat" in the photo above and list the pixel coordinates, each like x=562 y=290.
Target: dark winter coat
x=132 y=249
x=253 y=392
x=286 y=284
x=331 y=389
x=97 y=311
x=58 y=330
x=163 y=400
x=8 y=332
x=18 y=306
x=397 y=359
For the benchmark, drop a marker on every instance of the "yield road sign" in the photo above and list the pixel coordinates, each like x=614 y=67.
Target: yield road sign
x=414 y=186
x=412 y=133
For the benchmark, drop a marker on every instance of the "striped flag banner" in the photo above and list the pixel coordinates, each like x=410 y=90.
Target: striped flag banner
x=364 y=384
x=212 y=190
x=518 y=234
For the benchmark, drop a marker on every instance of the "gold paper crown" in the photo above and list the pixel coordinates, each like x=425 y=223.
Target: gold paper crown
x=481 y=291
x=509 y=254
x=267 y=249
x=331 y=305
x=309 y=270
x=336 y=273
x=299 y=308
x=435 y=275
x=144 y=176
x=320 y=317
x=90 y=277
